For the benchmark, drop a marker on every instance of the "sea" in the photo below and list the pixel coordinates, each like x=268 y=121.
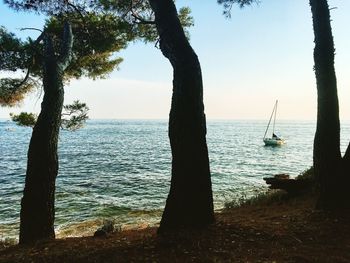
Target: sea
x=119 y=170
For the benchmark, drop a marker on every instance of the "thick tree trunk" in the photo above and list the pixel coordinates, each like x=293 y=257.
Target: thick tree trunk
x=346 y=165
x=190 y=201
x=347 y=154
x=37 y=207
x=327 y=156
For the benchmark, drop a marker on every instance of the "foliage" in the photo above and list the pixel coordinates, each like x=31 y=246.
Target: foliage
x=12 y=51
x=228 y=4
x=308 y=174
x=24 y=119
x=137 y=13
x=97 y=38
x=12 y=91
x=101 y=28
x=237 y=200
x=14 y=57
x=74 y=116
x=110 y=226
x=185 y=17
x=262 y=196
x=7 y=242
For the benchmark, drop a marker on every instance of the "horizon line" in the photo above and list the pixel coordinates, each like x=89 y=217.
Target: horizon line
x=208 y=119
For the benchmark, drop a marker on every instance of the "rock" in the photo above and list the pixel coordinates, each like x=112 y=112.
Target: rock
x=108 y=226
x=100 y=233
x=281 y=176
x=282 y=181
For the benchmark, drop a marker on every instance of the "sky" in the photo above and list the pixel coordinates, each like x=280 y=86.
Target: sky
x=263 y=53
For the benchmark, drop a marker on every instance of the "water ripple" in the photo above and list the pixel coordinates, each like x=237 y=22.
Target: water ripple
x=121 y=169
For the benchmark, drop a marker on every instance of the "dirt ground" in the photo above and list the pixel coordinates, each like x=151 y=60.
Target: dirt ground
x=280 y=231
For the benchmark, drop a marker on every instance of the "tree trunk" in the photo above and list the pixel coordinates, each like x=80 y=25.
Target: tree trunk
x=346 y=165
x=327 y=156
x=190 y=201
x=37 y=206
x=347 y=154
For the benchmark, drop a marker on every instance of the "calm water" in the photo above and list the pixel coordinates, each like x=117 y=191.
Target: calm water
x=121 y=169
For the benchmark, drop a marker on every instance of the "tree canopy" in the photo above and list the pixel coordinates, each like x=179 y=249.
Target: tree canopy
x=101 y=29
x=138 y=14
x=98 y=37
x=14 y=56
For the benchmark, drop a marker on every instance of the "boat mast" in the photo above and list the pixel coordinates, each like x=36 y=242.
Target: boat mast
x=274 y=120
x=268 y=125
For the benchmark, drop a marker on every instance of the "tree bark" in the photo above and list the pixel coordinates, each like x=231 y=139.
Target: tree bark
x=346 y=164
x=37 y=206
x=327 y=156
x=190 y=200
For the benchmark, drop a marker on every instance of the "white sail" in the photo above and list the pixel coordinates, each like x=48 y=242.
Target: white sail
x=274 y=140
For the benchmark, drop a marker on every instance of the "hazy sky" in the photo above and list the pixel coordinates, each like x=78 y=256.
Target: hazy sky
x=263 y=53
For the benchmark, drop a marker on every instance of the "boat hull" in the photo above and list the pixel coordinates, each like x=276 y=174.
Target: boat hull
x=273 y=142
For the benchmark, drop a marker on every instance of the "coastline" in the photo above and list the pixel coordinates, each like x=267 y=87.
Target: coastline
x=282 y=229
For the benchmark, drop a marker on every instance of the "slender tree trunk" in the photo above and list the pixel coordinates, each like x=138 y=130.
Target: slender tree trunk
x=190 y=201
x=37 y=206
x=327 y=156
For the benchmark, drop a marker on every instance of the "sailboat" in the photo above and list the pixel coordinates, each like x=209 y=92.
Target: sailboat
x=274 y=140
